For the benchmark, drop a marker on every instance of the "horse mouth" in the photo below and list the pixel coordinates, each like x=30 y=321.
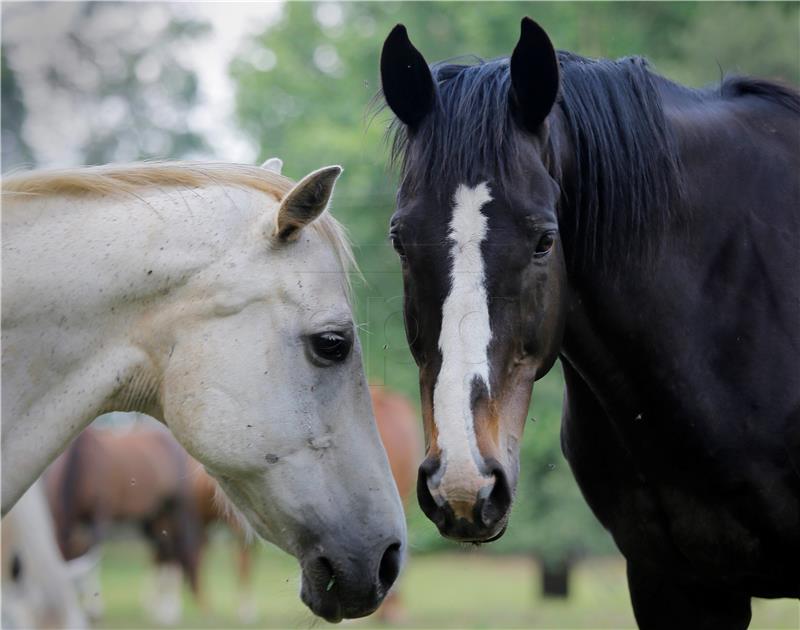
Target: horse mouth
x=326 y=606
x=334 y=595
x=498 y=535
x=327 y=602
x=320 y=593
x=475 y=540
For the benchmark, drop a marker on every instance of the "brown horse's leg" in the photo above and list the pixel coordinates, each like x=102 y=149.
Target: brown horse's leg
x=392 y=611
x=198 y=590
x=189 y=543
x=248 y=612
x=182 y=535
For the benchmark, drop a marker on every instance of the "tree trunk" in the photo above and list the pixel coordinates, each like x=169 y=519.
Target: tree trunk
x=555 y=578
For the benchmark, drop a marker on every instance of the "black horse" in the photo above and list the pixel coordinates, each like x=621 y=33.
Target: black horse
x=647 y=234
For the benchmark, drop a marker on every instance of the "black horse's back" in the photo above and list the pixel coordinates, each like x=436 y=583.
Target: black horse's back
x=772 y=91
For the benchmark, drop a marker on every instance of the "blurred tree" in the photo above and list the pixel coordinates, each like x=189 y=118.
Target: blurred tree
x=91 y=82
x=15 y=151
x=744 y=38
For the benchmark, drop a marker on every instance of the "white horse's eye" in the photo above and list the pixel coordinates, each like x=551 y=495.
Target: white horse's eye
x=329 y=348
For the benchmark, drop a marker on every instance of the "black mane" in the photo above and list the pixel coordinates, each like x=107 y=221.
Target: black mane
x=630 y=175
x=630 y=182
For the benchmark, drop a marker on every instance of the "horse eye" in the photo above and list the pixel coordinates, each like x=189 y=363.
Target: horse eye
x=545 y=244
x=330 y=347
x=398 y=246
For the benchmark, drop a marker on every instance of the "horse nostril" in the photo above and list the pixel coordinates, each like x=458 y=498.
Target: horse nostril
x=389 y=568
x=327 y=574
x=498 y=502
x=426 y=501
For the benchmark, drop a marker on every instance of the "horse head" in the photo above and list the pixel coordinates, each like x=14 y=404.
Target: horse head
x=484 y=273
x=266 y=388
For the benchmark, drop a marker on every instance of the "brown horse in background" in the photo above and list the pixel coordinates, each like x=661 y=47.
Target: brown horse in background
x=397 y=424
x=139 y=476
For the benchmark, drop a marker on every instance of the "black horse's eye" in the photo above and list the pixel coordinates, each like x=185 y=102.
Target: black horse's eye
x=398 y=246
x=330 y=347
x=545 y=244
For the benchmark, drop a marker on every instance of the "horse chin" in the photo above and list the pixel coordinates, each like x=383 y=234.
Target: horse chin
x=323 y=603
x=498 y=535
x=322 y=595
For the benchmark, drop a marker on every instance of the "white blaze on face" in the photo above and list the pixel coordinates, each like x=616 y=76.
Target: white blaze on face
x=463 y=342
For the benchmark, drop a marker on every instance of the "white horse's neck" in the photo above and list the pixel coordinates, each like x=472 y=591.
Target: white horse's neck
x=90 y=285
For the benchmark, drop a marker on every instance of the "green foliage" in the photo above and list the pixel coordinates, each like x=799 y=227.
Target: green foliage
x=15 y=149
x=743 y=38
x=118 y=93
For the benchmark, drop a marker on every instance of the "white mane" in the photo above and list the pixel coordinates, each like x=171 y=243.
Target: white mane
x=122 y=179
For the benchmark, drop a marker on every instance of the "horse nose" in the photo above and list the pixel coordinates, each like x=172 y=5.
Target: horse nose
x=495 y=506
x=481 y=520
x=389 y=568
x=426 y=479
x=351 y=583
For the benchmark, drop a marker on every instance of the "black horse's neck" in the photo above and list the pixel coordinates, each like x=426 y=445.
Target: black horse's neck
x=711 y=258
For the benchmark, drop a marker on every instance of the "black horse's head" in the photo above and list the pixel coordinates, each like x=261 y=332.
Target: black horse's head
x=483 y=266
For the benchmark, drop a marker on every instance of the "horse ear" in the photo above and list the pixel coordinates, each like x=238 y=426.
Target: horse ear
x=305 y=202
x=406 y=79
x=273 y=164
x=534 y=76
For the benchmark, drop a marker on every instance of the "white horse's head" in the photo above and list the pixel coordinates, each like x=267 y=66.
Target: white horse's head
x=266 y=388
x=216 y=299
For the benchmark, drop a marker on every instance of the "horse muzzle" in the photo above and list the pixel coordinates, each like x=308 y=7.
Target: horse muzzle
x=348 y=581
x=477 y=515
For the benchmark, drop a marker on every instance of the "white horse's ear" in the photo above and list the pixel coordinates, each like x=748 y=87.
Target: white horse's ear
x=273 y=164
x=305 y=202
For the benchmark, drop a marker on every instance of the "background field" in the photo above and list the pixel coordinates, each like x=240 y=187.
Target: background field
x=463 y=588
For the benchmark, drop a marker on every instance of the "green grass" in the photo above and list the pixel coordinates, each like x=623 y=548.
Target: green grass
x=465 y=588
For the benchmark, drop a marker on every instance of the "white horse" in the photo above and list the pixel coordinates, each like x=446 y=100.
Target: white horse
x=215 y=299
x=36 y=585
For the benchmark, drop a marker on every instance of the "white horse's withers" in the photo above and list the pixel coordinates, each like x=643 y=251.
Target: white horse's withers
x=214 y=298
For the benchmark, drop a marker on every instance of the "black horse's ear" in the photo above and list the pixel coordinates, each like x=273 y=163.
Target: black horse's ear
x=534 y=76
x=406 y=79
